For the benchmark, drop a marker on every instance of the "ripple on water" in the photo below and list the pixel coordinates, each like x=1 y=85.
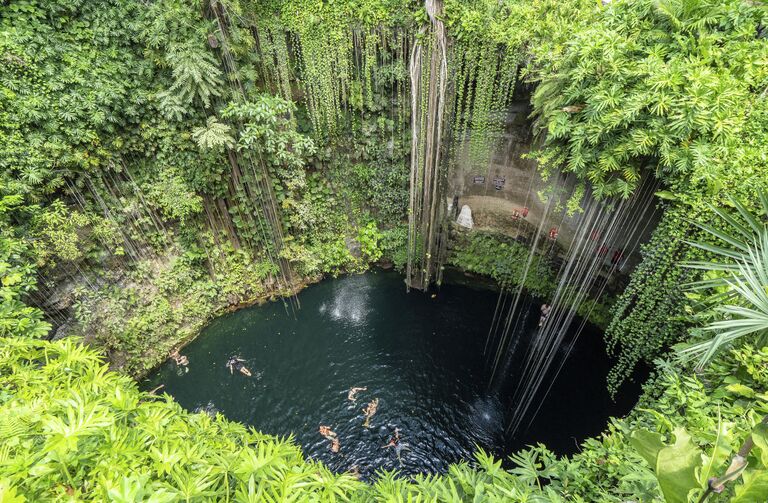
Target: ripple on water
x=420 y=357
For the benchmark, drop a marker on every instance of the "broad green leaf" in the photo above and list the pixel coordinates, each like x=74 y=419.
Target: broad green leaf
x=760 y=437
x=721 y=449
x=741 y=389
x=754 y=489
x=676 y=467
x=648 y=444
x=8 y=493
x=665 y=194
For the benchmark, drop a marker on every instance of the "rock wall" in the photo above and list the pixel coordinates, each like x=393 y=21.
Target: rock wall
x=504 y=194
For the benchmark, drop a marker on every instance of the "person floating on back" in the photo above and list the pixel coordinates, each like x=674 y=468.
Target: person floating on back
x=235 y=363
x=329 y=434
x=369 y=411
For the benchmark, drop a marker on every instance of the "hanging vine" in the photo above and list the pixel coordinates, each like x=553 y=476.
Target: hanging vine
x=429 y=81
x=649 y=315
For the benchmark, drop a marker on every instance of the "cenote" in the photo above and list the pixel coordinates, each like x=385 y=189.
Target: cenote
x=420 y=355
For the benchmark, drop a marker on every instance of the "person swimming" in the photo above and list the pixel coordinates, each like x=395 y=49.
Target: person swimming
x=369 y=411
x=352 y=395
x=235 y=363
x=179 y=358
x=394 y=440
x=329 y=434
x=545 y=310
x=399 y=447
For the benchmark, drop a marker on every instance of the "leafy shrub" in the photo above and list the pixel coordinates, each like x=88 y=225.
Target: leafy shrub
x=369 y=238
x=504 y=260
x=394 y=244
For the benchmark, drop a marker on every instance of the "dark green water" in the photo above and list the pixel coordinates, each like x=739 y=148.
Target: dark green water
x=420 y=356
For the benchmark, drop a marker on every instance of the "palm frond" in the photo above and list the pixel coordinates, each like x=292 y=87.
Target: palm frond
x=747 y=314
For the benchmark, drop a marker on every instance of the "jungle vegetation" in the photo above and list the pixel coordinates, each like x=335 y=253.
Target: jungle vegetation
x=163 y=161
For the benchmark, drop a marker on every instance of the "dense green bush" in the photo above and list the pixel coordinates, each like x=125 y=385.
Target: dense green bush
x=511 y=265
x=506 y=261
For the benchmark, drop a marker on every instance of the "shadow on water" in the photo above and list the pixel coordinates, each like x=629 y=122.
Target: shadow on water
x=421 y=357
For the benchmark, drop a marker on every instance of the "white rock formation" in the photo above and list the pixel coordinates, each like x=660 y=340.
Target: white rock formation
x=465 y=217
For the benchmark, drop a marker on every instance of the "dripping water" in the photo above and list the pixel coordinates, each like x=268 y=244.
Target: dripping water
x=582 y=276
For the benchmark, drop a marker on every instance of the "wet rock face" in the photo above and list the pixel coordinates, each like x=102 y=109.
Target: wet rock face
x=509 y=196
x=503 y=193
x=354 y=247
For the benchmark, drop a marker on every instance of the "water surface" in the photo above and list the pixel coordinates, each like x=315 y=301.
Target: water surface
x=420 y=356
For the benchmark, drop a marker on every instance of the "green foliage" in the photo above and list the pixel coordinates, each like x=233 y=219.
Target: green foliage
x=71 y=427
x=681 y=434
x=213 y=135
x=650 y=314
x=660 y=86
x=55 y=232
x=95 y=437
x=505 y=261
x=329 y=39
x=151 y=120
x=393 y=246
x=687 y=464
x=167 y=301
x=171 y=195
x=369 y=238
x=375 y=187
x=196 y=79
x=675 y=464
x=17 y=276
x=735 y=280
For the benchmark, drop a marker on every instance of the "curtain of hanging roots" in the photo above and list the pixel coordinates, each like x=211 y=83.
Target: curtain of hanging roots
x=251 y=179
x=428 y=74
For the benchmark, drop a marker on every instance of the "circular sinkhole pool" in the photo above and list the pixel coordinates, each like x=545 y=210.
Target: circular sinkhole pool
x=419 y=357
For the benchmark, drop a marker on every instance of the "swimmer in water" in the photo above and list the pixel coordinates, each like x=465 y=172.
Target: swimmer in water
x=178 y=358
x=327 y=432
x=369 y=411
x=545 y=310
x=352 y=395
x=399 y=447
x=235 y=363
x=394 y=440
